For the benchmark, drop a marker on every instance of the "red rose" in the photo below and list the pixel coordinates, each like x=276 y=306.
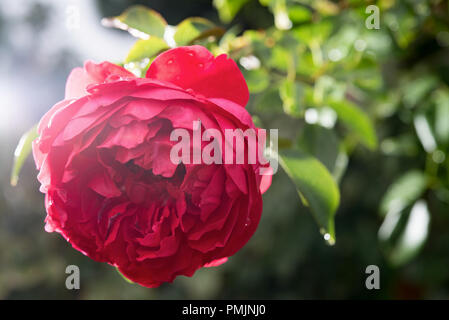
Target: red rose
x=111 y=189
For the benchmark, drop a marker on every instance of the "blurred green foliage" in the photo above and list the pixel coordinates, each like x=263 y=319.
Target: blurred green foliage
x=363 y=109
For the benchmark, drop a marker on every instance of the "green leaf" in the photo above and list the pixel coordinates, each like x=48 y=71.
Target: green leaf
x=227 y=9
x=424 y=132
x=328 y=88
x=279 y=58
x=404 y=232
x=321 y=143
x=258 y=44
x=146 y=49
x=343 y=39
x=402 y=25
x=299 y=14
x=442 y=116
x=281 y=18
x=357 y=121
x=256 y=79
x=228 y=37
x=314 y=33
x=268 y=101
x=416 y=90
x=196 y=28
x=292 y=95
x=326 y=7
x=404 y=191
x=279 y=9
x=139 y=19
x=22 y=151
x=315 y=186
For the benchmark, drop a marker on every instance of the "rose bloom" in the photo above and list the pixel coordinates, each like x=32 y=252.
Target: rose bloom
x=110 y=187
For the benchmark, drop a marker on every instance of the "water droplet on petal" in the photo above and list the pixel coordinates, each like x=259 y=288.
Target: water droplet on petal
x=170 y=61
x=200 y=65
x=190 y=53
x=115 y=77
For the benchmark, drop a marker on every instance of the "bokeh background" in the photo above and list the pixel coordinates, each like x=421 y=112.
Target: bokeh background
x=403 y=76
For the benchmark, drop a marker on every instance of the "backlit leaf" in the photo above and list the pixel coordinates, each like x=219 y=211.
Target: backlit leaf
x=315 y=185
x=22 y=151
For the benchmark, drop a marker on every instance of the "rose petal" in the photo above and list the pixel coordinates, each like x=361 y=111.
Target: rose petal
x=195 y=68
x=92 y=73
x=216 y=263
x=102 y=184
x=265 y=181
